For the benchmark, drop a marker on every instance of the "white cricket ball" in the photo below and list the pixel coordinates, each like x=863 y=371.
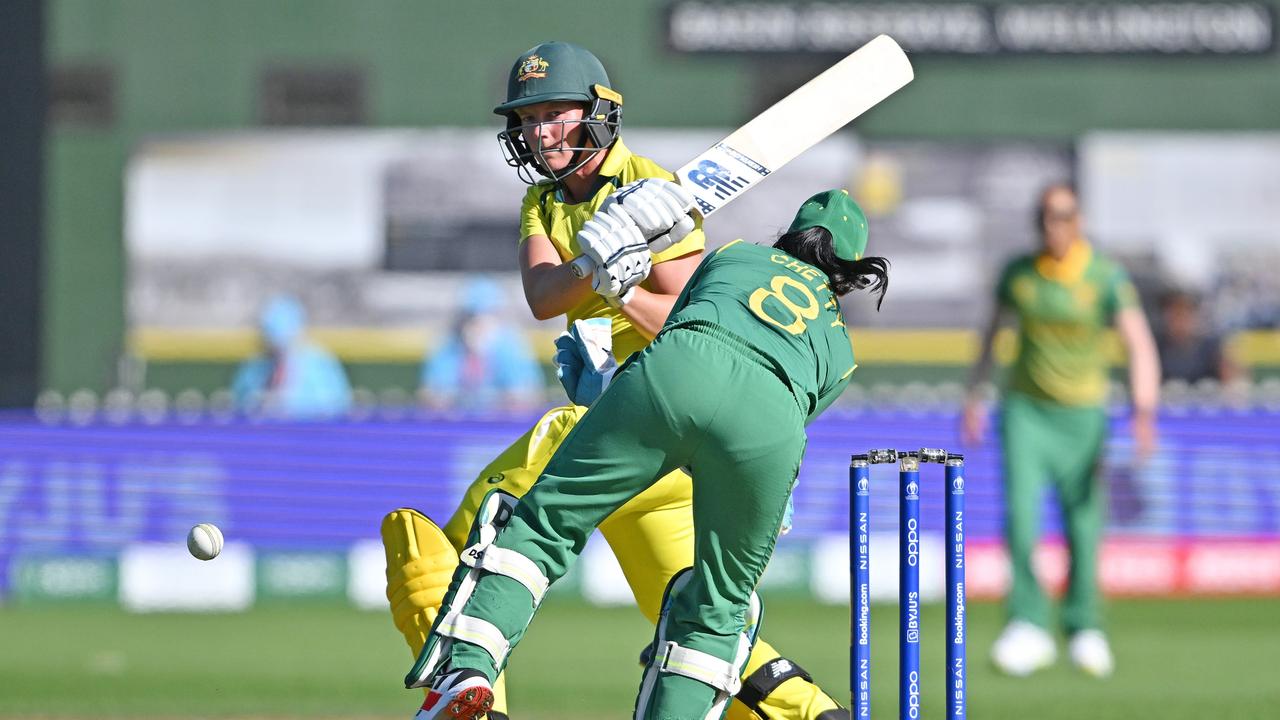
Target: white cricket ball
x=205 y=541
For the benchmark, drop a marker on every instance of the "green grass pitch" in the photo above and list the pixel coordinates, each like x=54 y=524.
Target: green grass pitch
x=1176 y=659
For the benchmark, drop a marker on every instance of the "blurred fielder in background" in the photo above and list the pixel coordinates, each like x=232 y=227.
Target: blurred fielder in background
x=562 y=137
x=1053 y=424
x=756 y=335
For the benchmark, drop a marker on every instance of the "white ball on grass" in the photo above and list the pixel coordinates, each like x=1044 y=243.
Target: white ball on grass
x=205 y=541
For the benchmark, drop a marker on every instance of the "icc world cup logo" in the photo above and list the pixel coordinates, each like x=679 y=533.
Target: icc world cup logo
x=913 y=491
x=864 y=486
x=957 y=485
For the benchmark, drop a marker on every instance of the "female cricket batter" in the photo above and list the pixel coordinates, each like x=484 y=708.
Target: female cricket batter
x=563 y=121
x=1054 y=424
x=754 y=350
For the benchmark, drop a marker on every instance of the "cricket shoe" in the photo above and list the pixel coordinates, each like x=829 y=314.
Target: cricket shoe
x=1023 y=648
x=1090 y=651
x=458 y=695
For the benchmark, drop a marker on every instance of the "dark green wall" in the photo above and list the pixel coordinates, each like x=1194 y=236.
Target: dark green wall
x=184 y=65
x=22 y=128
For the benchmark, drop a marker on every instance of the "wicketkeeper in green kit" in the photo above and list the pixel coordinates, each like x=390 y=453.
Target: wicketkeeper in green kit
x=754 y=349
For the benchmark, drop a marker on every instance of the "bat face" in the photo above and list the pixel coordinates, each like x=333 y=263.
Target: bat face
x=796 y=123
x=718 y=176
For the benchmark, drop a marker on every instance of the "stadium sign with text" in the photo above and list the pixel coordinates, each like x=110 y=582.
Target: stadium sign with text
x=1172 y=28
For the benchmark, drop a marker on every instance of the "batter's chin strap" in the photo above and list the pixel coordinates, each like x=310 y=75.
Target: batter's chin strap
x=495 y=715
x=758 y=685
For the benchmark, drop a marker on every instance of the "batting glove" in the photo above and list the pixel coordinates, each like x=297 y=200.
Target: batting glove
x=660 y=209
x=610 y=235
x=616 y=281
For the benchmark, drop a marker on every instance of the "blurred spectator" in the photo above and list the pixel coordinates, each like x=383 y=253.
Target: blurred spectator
x=293 y=378
x=484 y=363
x=1188 y=351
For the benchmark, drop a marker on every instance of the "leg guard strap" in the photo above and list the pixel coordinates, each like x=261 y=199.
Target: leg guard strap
x=477 y=632
x=706 y=669
x=501 y=561
x=761 y=683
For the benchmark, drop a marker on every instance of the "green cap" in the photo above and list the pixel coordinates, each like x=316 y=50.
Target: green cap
x=556 y=71
x=841 y=216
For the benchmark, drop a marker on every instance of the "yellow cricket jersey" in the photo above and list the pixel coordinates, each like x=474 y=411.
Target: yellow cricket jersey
x=544 y=212
x=1064 y=308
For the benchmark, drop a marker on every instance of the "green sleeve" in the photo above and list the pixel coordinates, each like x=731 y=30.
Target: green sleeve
x=1120 y=292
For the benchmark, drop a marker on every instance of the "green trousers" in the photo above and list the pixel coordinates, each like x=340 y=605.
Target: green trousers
x=698 y=398
x=1046 y=443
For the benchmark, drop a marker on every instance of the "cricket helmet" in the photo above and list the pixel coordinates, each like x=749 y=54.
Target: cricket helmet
x=559 y=71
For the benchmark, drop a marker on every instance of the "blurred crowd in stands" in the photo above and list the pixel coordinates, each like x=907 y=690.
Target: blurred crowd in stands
x=486 y=363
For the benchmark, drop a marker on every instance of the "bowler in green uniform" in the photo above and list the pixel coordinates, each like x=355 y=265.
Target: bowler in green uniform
x=1053 y=424
x=754 y=349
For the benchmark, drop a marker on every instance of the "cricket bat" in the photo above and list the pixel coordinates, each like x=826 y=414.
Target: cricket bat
x=726 y=170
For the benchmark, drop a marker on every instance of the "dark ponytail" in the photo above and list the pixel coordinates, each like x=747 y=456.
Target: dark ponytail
x=813 y=245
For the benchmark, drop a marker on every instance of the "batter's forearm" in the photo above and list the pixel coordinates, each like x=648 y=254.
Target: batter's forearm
x=648 y=311
x=553 y=290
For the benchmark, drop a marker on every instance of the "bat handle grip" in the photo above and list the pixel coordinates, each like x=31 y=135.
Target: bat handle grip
x=582 y=266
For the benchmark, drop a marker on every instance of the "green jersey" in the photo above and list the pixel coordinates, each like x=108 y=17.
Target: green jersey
x=782 y=308
x=1064 y=309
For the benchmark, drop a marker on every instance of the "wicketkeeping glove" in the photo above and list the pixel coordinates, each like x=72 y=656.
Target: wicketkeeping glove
x=584 y=359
